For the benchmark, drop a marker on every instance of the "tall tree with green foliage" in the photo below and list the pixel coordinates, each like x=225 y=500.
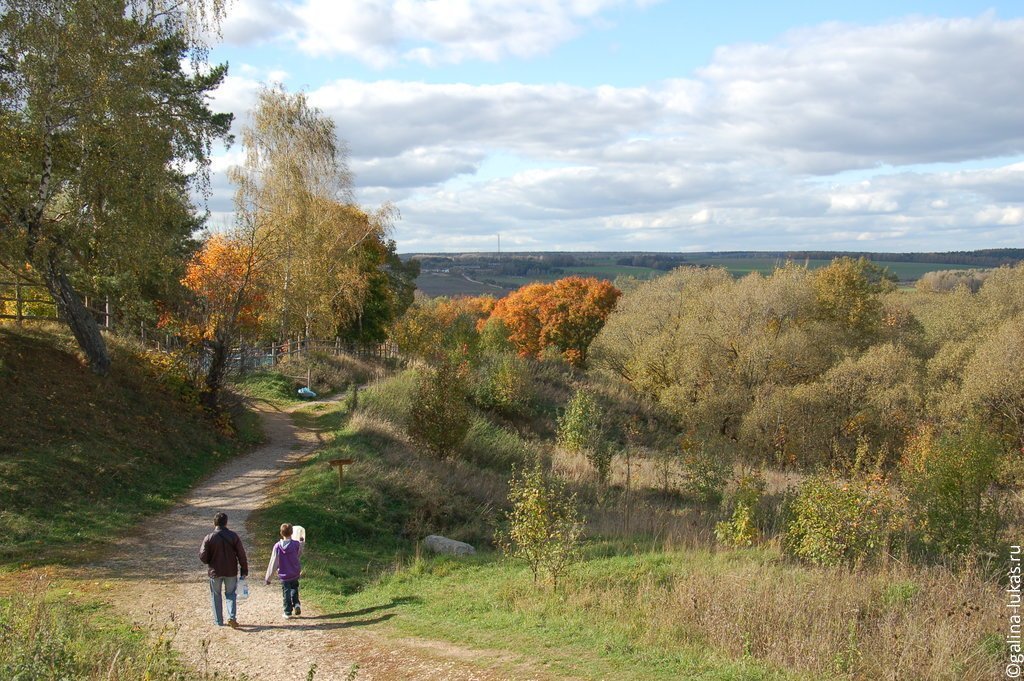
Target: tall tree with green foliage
x=99 y=121
x=296 y=189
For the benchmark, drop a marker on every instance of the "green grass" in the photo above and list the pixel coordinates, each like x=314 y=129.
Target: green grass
x=633 y=607
x=46 y=633
x=83 y=457
x=270 y=386
x=487 y=602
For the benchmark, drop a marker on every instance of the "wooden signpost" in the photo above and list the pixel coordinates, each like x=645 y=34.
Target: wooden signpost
x=340 y=465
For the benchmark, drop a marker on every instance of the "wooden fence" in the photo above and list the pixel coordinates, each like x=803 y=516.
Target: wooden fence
x=28 y=296
x=253 y=357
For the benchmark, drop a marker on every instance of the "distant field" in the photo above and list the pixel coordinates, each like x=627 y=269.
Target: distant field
x=605 y=267
x=906 y=271
x=437 y=284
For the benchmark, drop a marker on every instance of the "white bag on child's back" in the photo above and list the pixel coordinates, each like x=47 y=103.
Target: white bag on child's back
x=298 y=533
x=243 y=592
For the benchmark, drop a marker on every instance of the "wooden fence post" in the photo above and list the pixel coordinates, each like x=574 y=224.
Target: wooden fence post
x=108 y=322
x=17 y=300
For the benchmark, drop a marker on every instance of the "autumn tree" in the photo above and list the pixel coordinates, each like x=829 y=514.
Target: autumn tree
x=227 y=281
x=848 y=296
x=296 y=189
x=100 y=119
x=567 y=315
x=437 y=329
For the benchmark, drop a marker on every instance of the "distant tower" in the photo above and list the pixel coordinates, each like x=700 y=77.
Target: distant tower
x=499 y=246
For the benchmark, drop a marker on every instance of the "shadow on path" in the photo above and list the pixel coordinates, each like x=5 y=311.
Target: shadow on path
x=366 y=611
x=326 y=626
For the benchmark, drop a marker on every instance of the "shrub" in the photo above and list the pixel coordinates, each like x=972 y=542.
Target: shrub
x=352 y=399
x=440 y=416
x=503 y=383
x=544 y=525
x=946 y=479
x=579 y=426
x=581 y=429
x=834 y=521
x=494 y=337
x=704 y=471
x=741 y=527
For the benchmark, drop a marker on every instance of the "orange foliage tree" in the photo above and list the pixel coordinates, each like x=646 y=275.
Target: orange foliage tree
x=229 y=298
x=566 y=314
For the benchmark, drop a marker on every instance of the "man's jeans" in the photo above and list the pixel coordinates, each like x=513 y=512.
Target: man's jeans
x=290 y=593
x=229 y=594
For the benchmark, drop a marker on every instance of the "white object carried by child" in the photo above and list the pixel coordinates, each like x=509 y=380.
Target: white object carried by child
x=298 y=533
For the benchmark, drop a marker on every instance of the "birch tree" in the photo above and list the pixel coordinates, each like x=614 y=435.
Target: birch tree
x=296 y=188
x=103 y=131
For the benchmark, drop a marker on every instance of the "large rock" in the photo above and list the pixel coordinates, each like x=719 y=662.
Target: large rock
x=439 y=544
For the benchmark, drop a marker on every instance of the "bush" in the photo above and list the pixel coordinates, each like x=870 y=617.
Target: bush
x=741 y=528
x=834 y=521
x=440 y=416
x=947 y=479
x=494 y=337
x=503 y=384
x=581 y=429
x=352 y=399
x=579 y=426
x=705 y=472
x=544 y=525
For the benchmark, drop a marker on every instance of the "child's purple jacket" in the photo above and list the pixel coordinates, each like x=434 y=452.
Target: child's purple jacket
x=285 y=559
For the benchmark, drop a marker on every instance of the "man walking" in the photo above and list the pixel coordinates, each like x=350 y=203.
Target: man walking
x=222 y=550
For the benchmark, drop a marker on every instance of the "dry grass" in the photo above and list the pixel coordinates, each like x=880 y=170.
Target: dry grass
x=902 y=623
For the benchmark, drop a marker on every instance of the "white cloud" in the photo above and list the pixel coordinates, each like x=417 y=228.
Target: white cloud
x=743 y=155
x=385 y=32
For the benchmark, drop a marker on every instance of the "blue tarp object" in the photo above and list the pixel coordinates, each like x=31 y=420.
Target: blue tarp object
x=306 y=392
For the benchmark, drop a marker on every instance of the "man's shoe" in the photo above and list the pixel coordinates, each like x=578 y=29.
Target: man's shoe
x=298 y=610
x=233 y=624
x=287 y=615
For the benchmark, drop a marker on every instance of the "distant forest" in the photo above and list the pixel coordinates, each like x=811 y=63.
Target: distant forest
x=989 y=257
x=527 y=263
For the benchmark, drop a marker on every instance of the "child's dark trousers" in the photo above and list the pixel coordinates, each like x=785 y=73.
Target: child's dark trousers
x=290 y=593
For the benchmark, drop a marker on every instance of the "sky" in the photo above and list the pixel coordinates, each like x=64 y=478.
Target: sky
x=637 y=125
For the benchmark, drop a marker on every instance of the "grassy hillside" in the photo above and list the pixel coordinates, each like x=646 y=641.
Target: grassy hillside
x=658 y=601
x=83 y=457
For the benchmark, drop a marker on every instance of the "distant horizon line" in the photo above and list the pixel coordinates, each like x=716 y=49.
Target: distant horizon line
x=993 y=250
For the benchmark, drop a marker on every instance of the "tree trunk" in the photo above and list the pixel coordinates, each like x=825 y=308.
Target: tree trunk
x=81 y=322
x=215 y=372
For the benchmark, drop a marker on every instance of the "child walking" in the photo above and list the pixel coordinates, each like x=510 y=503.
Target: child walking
x=285 y=559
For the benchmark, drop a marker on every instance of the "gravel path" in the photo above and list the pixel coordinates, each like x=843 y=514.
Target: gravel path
x=159 y=582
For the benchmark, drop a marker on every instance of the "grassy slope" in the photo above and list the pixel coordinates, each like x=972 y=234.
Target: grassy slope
x=634 y=608
x=361 y=554
x=82 y=457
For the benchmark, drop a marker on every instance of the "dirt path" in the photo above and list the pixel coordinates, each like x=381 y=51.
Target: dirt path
x=158 y=581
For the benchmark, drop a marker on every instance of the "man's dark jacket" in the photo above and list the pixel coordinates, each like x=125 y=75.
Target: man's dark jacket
x=222 y=550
